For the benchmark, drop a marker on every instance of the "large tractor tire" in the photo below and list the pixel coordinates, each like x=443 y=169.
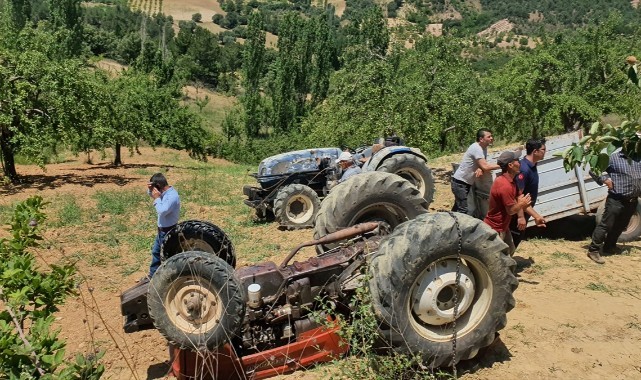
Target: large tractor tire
x=197 y=235
x=196 y=301
x=413 y=169
x=371 y=196
x=632 y=231
x=413 y=283
x=296 y=206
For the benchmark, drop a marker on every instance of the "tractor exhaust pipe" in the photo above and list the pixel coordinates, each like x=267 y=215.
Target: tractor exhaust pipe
x=346 y=233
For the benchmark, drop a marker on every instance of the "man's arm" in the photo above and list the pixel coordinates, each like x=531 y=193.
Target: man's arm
x=538 y=219
x=486 y=166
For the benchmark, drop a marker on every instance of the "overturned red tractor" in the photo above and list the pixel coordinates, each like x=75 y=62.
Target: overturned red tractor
x=438 y=276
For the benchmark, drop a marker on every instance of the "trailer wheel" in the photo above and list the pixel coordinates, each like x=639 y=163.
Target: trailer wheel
x=632 y=231
x=366 y=197
x=296 y=206
x=413 y=169
x=413 y=284
x=197 y=235
x=195 y=301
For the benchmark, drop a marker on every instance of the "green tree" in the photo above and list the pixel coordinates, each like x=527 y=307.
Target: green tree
x=418 y=93
x=66 y=16
x=253 y=63
x=44 y=98
x=286 y=67
x=323 y=58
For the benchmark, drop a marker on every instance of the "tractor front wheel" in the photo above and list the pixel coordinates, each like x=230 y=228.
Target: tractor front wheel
x=414 y=287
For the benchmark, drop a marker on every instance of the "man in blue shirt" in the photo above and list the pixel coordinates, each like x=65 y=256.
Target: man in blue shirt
x=167 y=204
x=527 y=182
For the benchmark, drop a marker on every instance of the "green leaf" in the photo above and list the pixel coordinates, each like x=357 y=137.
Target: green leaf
x=577 y=153
x=594 y=129
x=603 y=162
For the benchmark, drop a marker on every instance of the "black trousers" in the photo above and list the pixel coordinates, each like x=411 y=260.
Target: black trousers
x=616 y=217
x=460 y=190
x=517 y=235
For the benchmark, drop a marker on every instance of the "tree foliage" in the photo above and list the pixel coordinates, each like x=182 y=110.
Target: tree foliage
x=30 y=348
x=595 y=148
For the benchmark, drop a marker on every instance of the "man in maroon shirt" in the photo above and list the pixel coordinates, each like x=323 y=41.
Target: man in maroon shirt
x=504 y=199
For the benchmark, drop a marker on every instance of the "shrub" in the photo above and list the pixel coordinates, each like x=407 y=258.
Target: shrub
x=29 y=348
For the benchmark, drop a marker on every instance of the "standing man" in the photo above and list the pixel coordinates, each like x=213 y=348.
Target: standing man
x=167 y=204
x=633 y=70
x=623 y=179
x=473 y=165
x=504 y=201
x=350 y=169
x=527 y=182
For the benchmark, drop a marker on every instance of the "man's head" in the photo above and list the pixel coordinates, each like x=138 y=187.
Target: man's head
x=158 y=181
x=345 y=160
x=536 y=148
x=484 y=137
x=631 y=60
x=509 y=162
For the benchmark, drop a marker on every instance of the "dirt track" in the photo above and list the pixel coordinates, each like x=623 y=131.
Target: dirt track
x=573 y=319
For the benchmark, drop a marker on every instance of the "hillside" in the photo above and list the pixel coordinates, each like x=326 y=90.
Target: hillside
x=101 y=219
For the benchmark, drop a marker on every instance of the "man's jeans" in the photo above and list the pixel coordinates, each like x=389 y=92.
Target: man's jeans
x=155 y=253
x=616 y=217
x=460 y=190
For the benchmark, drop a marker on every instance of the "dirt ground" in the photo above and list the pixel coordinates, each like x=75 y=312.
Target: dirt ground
x=573 y=318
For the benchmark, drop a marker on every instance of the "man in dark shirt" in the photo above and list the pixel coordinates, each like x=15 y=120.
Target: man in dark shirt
x=527 y=182
x=623 y=179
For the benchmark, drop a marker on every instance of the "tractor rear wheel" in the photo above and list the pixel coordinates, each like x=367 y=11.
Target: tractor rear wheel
x=367 y=197
x=196 y=301
x=296 y=206
x=413 y=287
x=413 y=169
x=632 y=231
x=197 y=235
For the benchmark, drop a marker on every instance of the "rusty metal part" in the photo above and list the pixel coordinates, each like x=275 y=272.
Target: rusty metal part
x=333 y=237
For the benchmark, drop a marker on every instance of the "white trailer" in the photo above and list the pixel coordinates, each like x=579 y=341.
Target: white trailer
x=564 y=193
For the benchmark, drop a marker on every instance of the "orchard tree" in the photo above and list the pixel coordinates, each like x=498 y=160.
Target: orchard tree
x=43 y=99
x=417 y=93
x=253 y=63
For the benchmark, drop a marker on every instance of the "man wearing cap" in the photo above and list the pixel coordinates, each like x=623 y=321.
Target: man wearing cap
x=504 y=198
x=623 y=179
x=473 y=165
x=633 y=70
x=347 y=164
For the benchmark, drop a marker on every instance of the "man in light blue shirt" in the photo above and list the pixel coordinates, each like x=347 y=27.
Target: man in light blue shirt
x=350 y=169
x=167 y=204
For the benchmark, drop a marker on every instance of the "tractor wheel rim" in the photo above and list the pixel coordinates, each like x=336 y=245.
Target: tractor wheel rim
x=431 y=298
x=194 y=244
x=193 y=306
x=299 y=209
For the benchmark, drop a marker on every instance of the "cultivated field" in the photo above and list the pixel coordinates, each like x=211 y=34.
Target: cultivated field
x=573 y=319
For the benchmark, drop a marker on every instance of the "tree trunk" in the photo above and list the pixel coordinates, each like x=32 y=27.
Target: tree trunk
x=117 y=158
x=8 y=160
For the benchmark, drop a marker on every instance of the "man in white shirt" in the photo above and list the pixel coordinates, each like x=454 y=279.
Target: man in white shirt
x=473 y=165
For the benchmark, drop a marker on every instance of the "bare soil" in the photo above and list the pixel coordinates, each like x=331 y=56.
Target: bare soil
x=573 y=318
